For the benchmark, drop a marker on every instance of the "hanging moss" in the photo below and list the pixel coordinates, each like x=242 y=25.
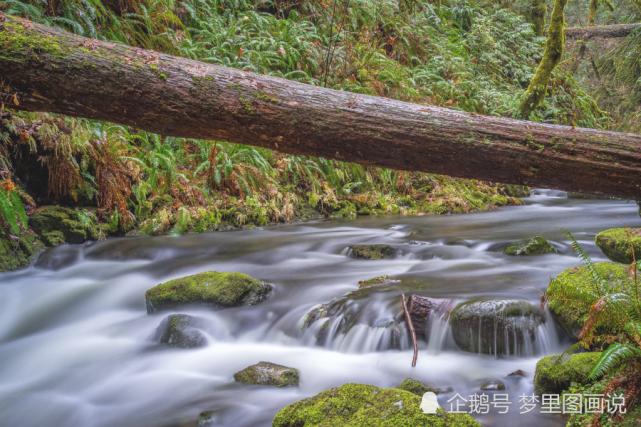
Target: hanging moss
x=535 y=93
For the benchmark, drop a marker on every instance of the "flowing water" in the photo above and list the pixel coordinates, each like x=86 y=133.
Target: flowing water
x=77 y=346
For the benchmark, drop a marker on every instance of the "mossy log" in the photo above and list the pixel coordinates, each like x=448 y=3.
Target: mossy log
x=45 y=69
x=601 y=31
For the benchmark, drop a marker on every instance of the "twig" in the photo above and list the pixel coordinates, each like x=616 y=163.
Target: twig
x=410 y=326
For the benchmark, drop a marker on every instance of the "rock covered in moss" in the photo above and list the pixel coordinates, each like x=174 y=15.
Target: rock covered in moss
x=555 y=373
x=58 y=224
x=212 y=289
x=493 y=385
x=18 y=252
x=571 y=294
x=495 y=326
x=416 y=387
x=181 y=331
x=536 y=245
x=377 y=281
x=267 y=373
x=620 y=244
x=373 y=252
x=366 y=406
x=208 y=419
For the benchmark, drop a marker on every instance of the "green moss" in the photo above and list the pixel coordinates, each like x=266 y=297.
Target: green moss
x=376 y=281
x=18 y=253
x=18 y=43
x=571 y=294
x=415 y=387
x=373 y=252
x=266 y=373
x=214 y=289
x=57 y=224
x=367 y=406
x=556 y=373
x=536 y=245
x=538 y=11
x=620 y=244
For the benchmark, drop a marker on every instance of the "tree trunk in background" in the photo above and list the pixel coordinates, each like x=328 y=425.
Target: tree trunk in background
x=603 y=31
x=538 y=11
x=535 y=93
x=45 y=69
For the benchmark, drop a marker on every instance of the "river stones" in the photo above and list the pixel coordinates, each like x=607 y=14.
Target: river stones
x=571 y=294
x=495 y=326
x=57 y=224
x=267 y=373
x=365 y=405
x=373 y=252
x=377 y=281
x=212 y=289
x=208 y=419
x=620 y=244
x=493 y=385
x=181 y=331
x=555 y=373
x=536 y=245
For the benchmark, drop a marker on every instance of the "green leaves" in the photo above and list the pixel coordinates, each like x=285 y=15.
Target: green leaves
x=615 y=355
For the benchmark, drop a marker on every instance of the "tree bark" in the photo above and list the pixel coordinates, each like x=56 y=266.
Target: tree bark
x=44 y=69
x=601 y=31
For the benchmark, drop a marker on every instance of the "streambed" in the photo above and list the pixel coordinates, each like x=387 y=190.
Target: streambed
x=77 y=346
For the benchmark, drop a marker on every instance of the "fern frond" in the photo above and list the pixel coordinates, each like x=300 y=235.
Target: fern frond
x=598 y=281
x=613 y=357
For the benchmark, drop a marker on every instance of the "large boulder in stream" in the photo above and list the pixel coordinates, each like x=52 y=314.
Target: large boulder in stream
x=267 y=373
x=620 y=244
x=572 y=293
x=536 y=245
x=362 y=405
x=555 y=373
x=181 y=331
x=373 y=252
x=212 y=289
x=495 y=326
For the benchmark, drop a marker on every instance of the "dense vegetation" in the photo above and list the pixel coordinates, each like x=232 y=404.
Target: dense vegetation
x=472 y=55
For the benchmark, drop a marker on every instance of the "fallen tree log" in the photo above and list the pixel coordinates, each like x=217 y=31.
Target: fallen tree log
x=601 y=31
x=44 y=69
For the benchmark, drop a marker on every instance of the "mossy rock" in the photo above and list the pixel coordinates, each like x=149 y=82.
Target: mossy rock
x=416 y=387
x=373 y=252
x=536 y=245
x=213 y=289
x=267 y=373
x=18 y=253
x=377 y=281
x=208 y=419
x=620 y=244
x=361 y=405
x=555 y=373
x=56 y=223
x=181 y=331
x=495 y=326
x=571 y=294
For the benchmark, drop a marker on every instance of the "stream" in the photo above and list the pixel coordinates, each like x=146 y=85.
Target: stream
x=78 y=349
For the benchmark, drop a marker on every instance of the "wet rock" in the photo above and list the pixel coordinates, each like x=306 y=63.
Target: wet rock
x=620 y=244
x=493 y=385
x=415 y=386
x=536 y=245
x=266 y=373
x=495 y=326
x=181 y=331
x=213 y=289
x=571 y=294
x=377 y=281
x=556 y=373
x=373 y=252
x=420 y=308
x=365 y=405
x=57 y=224
x=518 y=373
x=17 y=253
x=208 y=419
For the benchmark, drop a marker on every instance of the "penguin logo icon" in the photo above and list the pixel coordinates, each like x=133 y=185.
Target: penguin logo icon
x=429 y=403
